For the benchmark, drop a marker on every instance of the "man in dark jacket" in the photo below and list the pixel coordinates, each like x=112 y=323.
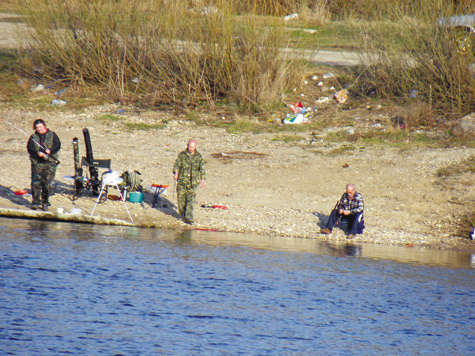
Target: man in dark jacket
x=350 y=207
x=43 y=147
x=188 y=171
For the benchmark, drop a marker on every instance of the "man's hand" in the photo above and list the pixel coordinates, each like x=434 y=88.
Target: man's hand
x=344 y=212
x=175 y=176
x=202 y=183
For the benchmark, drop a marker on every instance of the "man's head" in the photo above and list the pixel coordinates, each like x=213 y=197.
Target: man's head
x=350 y=190
x=191 y=146
x=40 y=126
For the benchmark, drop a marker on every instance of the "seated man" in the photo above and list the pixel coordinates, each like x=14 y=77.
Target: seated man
x=350 y=207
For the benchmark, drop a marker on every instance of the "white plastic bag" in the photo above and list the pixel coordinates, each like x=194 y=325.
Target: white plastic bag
x=111 y=178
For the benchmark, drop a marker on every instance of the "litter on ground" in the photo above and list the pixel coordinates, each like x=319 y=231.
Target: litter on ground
x=296 y=108
x=291 y=17
x=341 y=96
x=325 y=99
x=21 y=192
x=214 y=206
x=295 y=118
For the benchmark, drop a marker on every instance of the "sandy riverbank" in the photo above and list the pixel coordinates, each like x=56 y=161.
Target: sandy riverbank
x=269 y=186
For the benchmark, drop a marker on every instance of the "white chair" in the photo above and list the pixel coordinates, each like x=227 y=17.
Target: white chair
x=109 y=179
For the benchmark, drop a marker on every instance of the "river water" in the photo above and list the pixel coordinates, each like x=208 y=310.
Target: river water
x=82 y=289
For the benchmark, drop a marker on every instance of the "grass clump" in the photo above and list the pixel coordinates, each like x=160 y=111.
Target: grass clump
x=109 y=118
x=467 y=223
x=402 y=139
x=288 y=138
x=145 y=127
x=343 y=149
x=12 y=88
x=7 y=5
x=466 y=166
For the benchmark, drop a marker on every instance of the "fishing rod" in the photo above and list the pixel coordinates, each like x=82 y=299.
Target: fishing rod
x=174 y=189
x=39 y=144
x=340 y=215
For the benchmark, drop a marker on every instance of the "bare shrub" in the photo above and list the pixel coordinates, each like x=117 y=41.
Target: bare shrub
x=158 y=52
x=315 y=12
x=415 y=114
x=417 y=62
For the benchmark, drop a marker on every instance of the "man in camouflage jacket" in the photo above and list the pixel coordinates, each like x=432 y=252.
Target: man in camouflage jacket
x=43 y=147
x=188 y=171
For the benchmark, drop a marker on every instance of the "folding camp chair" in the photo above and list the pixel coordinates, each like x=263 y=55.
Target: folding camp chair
x=93 y=182
x=111 y=179
x=159 y=190
x=96 y=163
x=108 y=178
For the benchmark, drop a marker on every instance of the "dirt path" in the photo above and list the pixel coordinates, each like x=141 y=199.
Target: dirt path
x=11 y=32
x=269 y=186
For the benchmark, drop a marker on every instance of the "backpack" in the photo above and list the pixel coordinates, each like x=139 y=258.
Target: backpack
x=132 y=181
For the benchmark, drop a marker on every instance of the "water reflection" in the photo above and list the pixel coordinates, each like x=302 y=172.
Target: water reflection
x=422 y=255
x=183 y=237
x=85 y=289
x=343 y=250
x=38 y=230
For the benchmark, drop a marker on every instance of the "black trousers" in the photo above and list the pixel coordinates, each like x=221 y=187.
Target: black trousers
x=353 y=220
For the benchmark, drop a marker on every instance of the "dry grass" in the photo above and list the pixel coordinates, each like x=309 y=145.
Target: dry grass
x=174 y=54
x=162 y=53
x=375 y=10
x=466 y=166
x=467 y=223
x=8 y=5
x=417 y=62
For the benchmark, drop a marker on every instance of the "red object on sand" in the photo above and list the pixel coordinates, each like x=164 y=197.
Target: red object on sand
x=296 y=108
x=21 y=192
x=220 y=207
x=154 y=185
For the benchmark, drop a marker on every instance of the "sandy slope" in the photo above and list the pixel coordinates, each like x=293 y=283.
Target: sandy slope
x=269 y=186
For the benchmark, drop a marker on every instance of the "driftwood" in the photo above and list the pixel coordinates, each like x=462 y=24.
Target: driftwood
x=53 y=216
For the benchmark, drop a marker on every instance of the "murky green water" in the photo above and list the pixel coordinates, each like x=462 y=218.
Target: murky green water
x=84 y=289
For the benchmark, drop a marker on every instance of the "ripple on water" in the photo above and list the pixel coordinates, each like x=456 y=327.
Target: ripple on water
x=82 y=289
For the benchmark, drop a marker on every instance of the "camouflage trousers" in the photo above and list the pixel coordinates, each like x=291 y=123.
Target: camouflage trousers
x=42 y=175
x=186 y=200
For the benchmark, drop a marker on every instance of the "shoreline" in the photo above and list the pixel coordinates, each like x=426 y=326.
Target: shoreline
x=338 y=236
x=269 y=186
